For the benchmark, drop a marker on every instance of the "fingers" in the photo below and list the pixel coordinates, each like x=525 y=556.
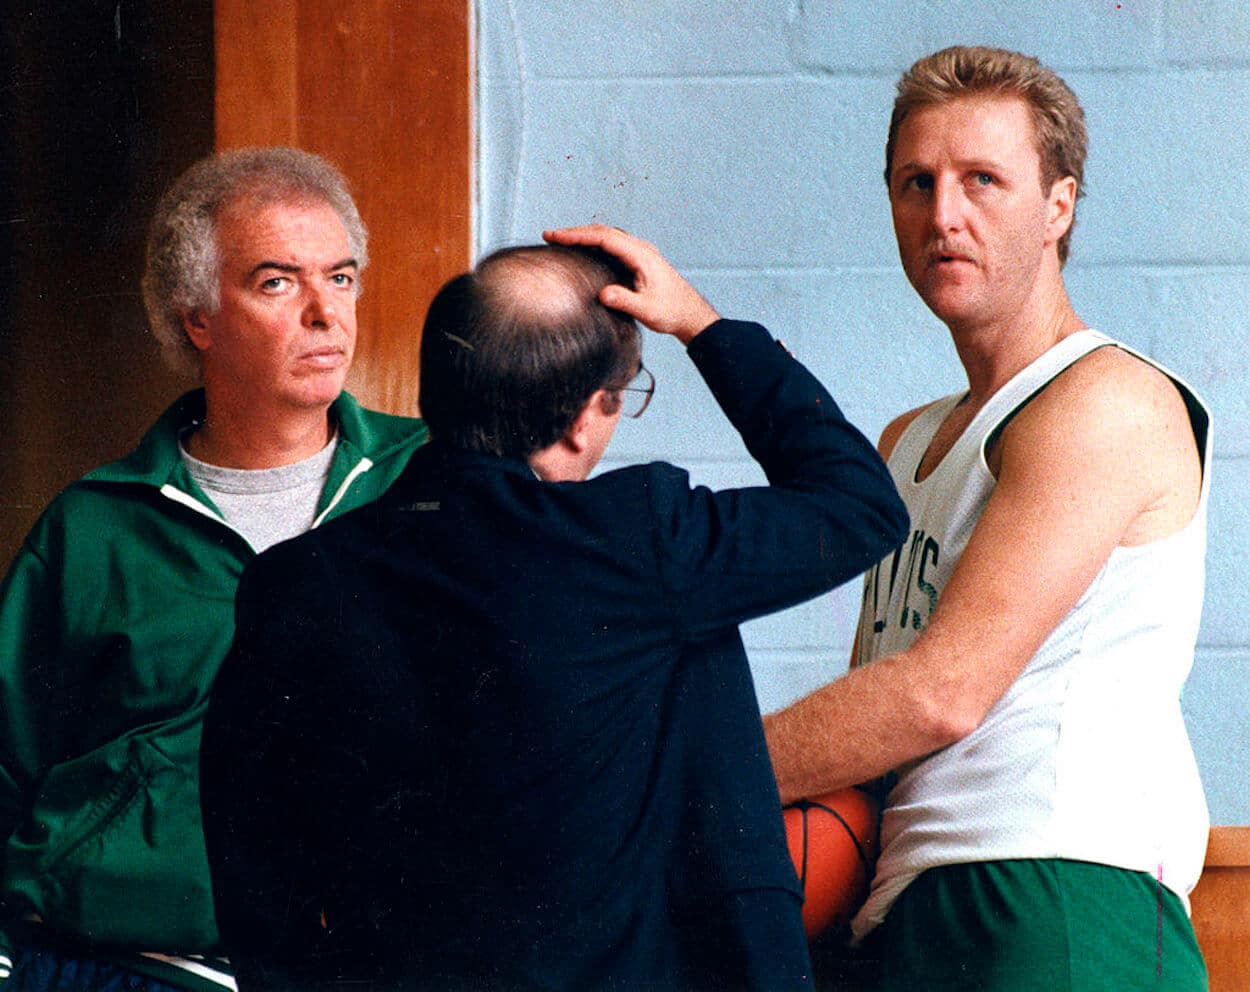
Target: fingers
x=577 y=235
x=660 y=298
x=634 y=252
x=586 y=234
x=617 y=297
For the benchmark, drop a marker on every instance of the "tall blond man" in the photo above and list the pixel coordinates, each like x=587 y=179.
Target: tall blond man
x=1020 y=658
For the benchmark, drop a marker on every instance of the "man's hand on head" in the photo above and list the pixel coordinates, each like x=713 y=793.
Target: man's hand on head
x=660 y=298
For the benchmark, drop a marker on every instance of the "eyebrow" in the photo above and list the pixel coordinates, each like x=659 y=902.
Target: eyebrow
x=347 y=263
x=976 y=163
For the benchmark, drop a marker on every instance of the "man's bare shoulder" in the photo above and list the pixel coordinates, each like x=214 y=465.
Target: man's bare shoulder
x=894 y=429
x=1109 y=390
x=1121 y=422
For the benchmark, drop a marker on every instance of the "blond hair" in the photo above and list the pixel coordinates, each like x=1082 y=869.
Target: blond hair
x=962 y=71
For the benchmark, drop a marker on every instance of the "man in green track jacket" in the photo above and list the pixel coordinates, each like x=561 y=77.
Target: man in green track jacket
x=119 y=606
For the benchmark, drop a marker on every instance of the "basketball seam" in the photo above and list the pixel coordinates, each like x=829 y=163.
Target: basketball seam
x=859 y=848
x=803 y=874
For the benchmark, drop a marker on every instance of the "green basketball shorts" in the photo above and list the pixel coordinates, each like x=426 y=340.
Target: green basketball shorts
x=1037 y=926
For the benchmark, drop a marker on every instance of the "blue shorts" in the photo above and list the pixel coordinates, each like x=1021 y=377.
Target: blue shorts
x=44 y=961
x=47 y=971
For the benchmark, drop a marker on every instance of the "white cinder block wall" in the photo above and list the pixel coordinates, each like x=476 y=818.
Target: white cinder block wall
x=746 y=137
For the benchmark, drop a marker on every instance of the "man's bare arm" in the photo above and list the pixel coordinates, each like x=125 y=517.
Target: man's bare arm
x=1104 y=456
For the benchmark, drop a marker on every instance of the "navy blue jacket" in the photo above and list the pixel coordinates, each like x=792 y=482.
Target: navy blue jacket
x=494 y=733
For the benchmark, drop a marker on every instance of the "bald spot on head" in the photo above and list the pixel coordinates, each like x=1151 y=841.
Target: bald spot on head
x=543 y=287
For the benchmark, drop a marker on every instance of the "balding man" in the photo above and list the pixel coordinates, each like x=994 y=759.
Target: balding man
x=498 y=730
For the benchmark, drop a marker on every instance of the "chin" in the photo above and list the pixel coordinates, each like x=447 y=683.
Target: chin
x=319 y=391
x=949 y=306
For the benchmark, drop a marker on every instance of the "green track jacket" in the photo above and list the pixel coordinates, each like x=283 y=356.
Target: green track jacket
x=114 y=617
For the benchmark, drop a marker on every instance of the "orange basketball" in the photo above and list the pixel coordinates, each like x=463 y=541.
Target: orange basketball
x=833 y=843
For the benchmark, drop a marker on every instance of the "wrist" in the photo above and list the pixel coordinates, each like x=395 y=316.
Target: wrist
x=698 y=322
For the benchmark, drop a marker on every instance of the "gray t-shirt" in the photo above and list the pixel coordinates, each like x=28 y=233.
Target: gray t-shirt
x=265 y=505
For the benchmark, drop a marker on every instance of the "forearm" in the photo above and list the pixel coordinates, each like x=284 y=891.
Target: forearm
x=855 y=729
x=787 y=418
x=904 y=706
x=781 y=410
x=793 y=427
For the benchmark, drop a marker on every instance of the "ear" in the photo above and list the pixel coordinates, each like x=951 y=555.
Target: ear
x=574 y=456
x=578 y=436
x=195 y=324
x=1060 y=207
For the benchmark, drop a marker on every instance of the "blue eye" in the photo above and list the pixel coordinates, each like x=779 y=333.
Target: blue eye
x=984 y=179
x=341 y=279
x=924 y=183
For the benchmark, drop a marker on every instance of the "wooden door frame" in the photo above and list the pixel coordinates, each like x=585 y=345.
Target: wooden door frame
x=384 y=89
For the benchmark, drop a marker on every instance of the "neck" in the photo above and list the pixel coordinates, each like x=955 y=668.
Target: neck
x=257 y=441
x=557 y=464
x=992 y=353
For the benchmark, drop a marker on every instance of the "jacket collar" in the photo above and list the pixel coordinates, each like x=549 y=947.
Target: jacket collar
x=157 y=460
x=440 y=453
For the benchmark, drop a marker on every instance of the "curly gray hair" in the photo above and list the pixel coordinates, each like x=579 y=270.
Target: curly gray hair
x=183 y=265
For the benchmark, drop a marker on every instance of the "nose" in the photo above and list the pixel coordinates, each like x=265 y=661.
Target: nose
x=947 y=206
x=318 y=310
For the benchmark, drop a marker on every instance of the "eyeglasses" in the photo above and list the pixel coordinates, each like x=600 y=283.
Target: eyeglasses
x=637 y=395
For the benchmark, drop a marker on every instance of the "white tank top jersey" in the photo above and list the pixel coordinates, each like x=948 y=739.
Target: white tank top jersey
x=1086 y=756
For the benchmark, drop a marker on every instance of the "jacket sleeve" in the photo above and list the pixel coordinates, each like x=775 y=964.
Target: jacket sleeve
x=30 y=638
x=280 y=777
x=829 y=512
x=249 y=779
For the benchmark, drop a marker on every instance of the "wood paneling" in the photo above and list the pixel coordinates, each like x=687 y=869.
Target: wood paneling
x=1221 y=909
x=103 y=108
x=382 y=89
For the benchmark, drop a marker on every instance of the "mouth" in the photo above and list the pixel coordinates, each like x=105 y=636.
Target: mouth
x=326 y=357
x=940 y=256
